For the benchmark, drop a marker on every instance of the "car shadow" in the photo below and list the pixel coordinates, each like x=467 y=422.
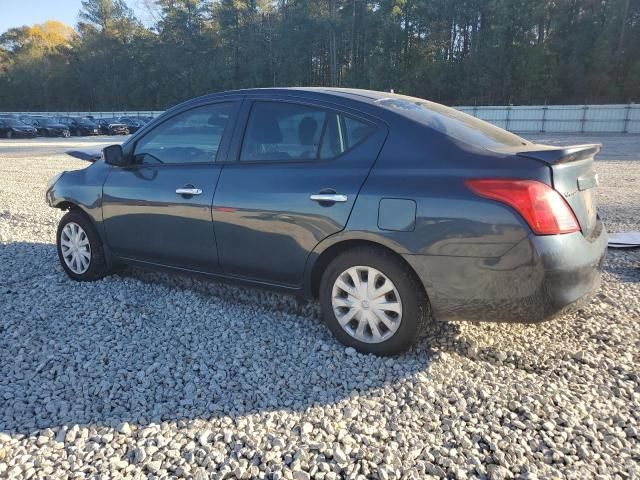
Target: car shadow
x=620 y=267
x=143 y=347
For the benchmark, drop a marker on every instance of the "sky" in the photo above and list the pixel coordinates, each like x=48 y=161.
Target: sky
x=16 y=13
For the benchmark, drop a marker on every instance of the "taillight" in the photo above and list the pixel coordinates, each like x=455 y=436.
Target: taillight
x=544 y=209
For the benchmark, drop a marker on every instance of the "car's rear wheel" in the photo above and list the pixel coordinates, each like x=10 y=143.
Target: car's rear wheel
x=79 y=248
x=371 y=301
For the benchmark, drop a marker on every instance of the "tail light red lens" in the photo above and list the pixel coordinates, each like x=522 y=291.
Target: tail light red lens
x=543 y=208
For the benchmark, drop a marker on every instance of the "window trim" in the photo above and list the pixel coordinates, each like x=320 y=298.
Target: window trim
x=295 y=101
x=226 y=135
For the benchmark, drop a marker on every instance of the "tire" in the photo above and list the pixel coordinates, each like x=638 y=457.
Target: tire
x=377 y=263
x=9 y=134
x=97 y=266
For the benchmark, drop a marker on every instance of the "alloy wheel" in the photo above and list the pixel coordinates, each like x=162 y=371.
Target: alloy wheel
x=75 y=247
x=366 y=304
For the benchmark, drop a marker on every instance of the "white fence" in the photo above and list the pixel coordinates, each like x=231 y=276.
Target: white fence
x=562 y=118
x=526 y=119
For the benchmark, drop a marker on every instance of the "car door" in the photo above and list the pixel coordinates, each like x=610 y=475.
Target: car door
x=297 y=171
x=158 y=208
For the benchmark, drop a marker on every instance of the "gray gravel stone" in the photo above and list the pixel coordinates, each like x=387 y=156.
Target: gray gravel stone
x=145 y=374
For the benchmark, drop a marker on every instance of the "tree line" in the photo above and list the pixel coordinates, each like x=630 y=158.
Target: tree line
x=451 y=51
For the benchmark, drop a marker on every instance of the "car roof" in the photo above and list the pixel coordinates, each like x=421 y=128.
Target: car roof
x=366 y=96
x=354 y=98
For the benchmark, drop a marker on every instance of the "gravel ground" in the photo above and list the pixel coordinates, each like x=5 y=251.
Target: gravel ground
x=151 y=375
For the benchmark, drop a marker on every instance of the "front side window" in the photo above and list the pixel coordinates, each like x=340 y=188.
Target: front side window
x=189 y=137
x=287 y=131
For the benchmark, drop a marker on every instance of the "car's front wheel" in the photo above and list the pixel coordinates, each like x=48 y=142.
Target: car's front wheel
x=79 y=248
x=9 y=134
x=371 y=301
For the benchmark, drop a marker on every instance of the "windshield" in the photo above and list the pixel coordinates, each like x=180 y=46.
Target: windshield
x=9 y=122
x=452 y=122
x=85 y=122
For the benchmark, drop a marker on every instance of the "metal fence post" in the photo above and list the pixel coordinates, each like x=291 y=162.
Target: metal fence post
x=506 y=127
x=584 y=117
x=544 y=118
x=627 y=118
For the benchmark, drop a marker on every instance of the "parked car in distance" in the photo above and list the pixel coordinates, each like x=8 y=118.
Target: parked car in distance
x=133 y=124
x=112 y=126
x=389 y=209
x=13 y=128
x=80 y=126
x=48 y=127
x=31 y=119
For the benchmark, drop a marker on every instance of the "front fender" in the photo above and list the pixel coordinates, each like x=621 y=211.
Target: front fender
x=81 y=189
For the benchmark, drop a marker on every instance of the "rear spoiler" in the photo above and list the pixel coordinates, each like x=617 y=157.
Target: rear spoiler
x=554 y=155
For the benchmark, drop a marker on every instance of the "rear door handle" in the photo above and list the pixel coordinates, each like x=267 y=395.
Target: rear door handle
x=188 y=190
x=329 y=197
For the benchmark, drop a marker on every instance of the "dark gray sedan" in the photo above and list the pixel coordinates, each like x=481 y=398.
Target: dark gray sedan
x=389 y=209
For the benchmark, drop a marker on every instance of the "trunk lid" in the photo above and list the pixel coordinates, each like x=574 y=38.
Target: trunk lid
x=574 y=177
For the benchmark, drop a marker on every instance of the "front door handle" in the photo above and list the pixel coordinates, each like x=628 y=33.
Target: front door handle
x=329 y=197
x=188 y=190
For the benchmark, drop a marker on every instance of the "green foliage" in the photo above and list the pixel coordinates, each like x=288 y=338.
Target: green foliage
x=452 y=51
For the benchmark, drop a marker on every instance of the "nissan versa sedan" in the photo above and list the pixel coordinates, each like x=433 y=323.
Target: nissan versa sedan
x=389 y=209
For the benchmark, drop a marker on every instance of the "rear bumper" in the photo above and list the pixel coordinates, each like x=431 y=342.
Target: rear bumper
x=542 y=277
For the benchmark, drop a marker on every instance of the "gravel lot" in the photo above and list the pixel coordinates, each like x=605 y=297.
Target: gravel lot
x=151 y=375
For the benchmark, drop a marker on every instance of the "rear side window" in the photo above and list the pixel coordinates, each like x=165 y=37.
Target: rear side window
x=342 y=134
x=280 y=131
x=452 y=122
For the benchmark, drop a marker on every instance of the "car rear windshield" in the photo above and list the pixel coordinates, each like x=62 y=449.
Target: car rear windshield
x=452 y=122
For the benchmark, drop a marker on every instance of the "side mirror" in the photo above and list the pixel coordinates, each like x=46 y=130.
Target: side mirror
x=113 y=155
